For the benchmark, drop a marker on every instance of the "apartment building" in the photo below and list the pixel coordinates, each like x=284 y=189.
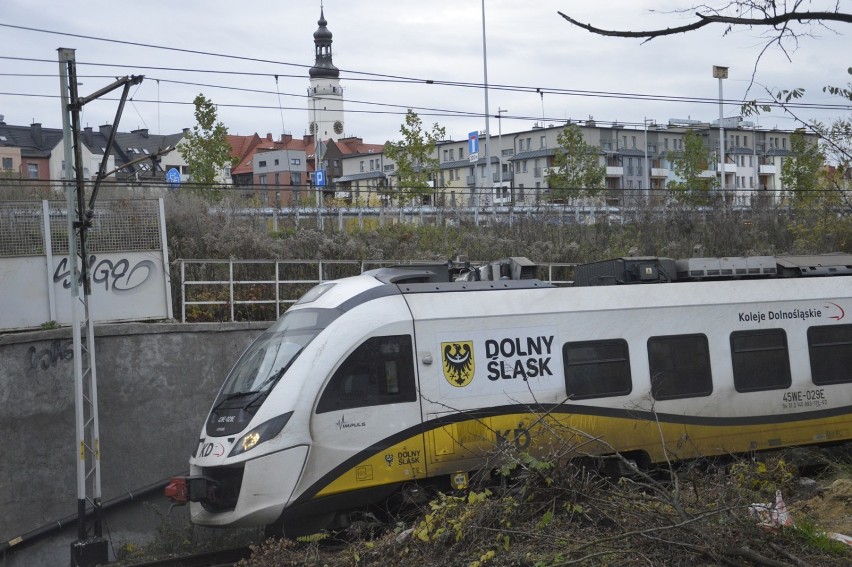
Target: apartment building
x=637 y=159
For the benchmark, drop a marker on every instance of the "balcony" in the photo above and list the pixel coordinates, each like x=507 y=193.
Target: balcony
x=614 y=171
x=768 y=170
x=729 y=167
x=536 y=172
x=659 y=172
x=507 y=176
x=470 y=180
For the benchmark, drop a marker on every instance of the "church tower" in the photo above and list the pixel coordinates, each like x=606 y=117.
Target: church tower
x=325 y=95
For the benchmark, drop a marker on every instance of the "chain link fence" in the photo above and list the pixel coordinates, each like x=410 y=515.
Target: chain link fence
x=36 y=228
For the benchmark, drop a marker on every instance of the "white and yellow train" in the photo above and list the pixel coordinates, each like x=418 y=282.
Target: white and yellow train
x=402 y=376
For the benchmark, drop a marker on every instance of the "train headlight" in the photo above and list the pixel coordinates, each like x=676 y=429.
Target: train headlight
x=263 y=432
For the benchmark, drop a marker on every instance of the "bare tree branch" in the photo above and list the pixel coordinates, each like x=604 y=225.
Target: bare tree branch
x=705 y=19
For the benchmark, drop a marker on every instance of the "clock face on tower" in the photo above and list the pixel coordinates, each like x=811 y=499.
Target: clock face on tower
x=338 y=127
x=313 y=127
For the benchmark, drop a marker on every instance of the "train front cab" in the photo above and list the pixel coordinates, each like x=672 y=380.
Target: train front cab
x=365 y=425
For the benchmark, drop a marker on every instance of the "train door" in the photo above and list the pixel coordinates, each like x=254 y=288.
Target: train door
x=366 y=426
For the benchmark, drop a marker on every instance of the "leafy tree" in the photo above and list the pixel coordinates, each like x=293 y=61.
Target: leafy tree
x=205 y=148
x=801 y=174
x=691 y=186
x=416 y=161
x=576 y=171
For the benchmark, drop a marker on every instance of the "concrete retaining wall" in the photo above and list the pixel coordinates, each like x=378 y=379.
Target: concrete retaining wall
x=156 y=383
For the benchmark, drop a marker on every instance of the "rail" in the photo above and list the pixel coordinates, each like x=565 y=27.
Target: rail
x=261 y=290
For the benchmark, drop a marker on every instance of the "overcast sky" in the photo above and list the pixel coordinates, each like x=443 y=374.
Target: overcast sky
x=378 y=42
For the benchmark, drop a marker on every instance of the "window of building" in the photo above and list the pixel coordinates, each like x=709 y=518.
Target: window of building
x=379 y=372
x=830 y=349
x=745 y=141
x=543 y=142
x=760 y=360
x=276 y=162
x=597 y=369
x=446 y=155
x=298 y=161
x=452 y=154
x=261 y=163
x=633 y=140
x=461 y=153
x=529 y=144
x=666 y=143
x=296 y=178
x=7 y=163
x=184 y=169
x=362 y=165
x=261 y=179
x=784 y=143
x=679 y=366
x=525 y=166
x=624 y=141
x=32 y=170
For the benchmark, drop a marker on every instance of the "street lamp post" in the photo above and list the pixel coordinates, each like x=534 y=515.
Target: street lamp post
x=500 y=112
x=647 y=165
x=721 y=73
x=488 y=177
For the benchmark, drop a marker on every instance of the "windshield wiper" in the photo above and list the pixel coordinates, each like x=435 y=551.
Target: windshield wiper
x=271 y=380
x=230 y=397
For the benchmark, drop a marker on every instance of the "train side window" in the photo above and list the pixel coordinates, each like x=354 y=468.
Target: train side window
x=760 y=360
x=680 y=367
x=830 y=349
x=380 y=371
x=597 y=369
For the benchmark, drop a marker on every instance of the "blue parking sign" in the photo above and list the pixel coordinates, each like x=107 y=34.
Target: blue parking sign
x=319 y=178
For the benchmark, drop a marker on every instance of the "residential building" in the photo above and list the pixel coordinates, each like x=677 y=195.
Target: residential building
x=357 y=171
x=25 y=150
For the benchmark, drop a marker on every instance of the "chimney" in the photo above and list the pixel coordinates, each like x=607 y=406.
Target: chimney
x=35 y=130
x=87 y=135
x=1 y=120
x=141 y=131
x=268 y=137
x=105 y=130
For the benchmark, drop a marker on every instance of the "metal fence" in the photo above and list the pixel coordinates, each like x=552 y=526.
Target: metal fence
x=120 y=225
x=261 y=290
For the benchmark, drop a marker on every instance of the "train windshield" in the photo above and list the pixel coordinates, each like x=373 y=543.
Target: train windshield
x=269 y=357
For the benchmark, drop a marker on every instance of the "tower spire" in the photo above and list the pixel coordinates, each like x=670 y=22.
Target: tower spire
x=323 y=66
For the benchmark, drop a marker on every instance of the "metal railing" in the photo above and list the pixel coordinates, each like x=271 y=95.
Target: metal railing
x=261 y=290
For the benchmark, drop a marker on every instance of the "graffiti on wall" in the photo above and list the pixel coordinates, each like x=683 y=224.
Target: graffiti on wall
x=119 y=276
x=42 y=359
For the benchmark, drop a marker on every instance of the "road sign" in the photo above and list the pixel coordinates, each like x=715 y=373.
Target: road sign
x=319 y=178
x=473 y=146
x=173 y=178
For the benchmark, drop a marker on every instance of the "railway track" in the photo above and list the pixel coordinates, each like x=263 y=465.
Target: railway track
x=223 y=558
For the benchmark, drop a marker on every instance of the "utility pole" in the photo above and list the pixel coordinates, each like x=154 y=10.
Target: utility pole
x=89 y=549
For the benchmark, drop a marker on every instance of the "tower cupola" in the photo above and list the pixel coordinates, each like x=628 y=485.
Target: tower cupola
x=323 y=67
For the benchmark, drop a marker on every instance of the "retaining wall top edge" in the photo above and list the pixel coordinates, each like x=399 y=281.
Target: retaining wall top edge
x=119 y=329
